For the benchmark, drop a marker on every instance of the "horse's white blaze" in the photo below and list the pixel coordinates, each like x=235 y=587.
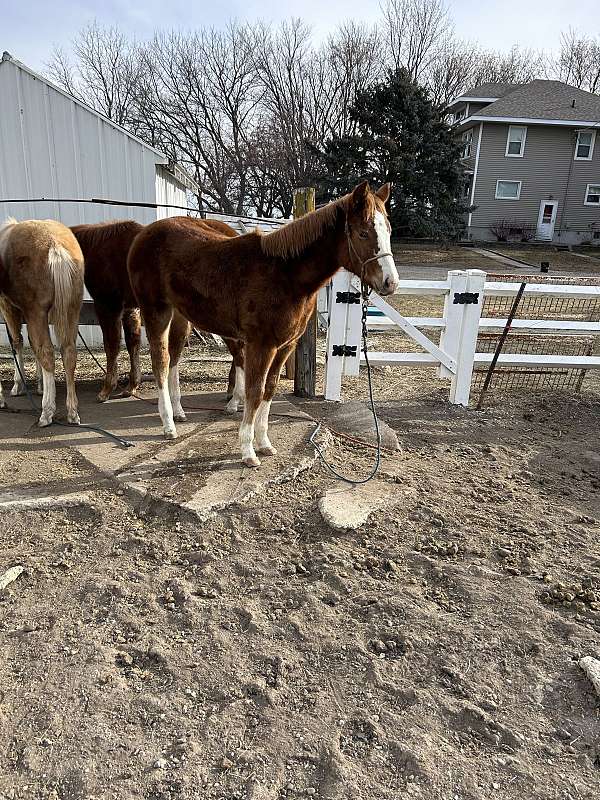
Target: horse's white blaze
x=175 y=392
x=384 y=245
x=165 y=409
x=261 y=426
x=48 y=398
x=239 y=391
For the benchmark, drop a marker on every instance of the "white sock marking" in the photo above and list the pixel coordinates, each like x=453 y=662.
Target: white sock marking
x=165 y=409
x=48 y=398
x=175 y=392
x=19 y=386
x=239 y=391
x=261 y=426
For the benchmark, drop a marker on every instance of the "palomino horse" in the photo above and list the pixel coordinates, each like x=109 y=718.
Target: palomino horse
x=258 y=288
x=41 y=280
x=105 y=246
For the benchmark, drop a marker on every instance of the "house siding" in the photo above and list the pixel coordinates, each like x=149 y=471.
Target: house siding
x=546 y=170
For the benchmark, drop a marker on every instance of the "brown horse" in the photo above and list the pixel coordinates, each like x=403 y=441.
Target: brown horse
x=105 y=246
x=259 y=289
x=41 y=280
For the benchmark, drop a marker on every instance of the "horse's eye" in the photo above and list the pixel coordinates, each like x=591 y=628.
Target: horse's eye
x=363 y=234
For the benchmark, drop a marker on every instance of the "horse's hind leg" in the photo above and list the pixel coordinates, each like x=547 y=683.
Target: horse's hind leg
x=261 y=425
x=132 y=328
x=157 y=329
x=110 y=322
x=178 y=333
x=39 y=336
x=69 y=357
x=236 y=388
x=14 y=323
x=258 y=360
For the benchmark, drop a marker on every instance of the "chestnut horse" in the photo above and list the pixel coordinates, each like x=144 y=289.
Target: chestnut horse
x=41 y=281
x=258 y=288
x=105 y=246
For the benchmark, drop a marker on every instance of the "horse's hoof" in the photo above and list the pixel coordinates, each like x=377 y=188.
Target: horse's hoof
x=180 y=417
x=2 y=404
x=73 y=419
x=269 y=450
x=251 y=461
x=231 y=407
x=18 y=390
x=43 y=421
x=103 y=397
x=171 y=434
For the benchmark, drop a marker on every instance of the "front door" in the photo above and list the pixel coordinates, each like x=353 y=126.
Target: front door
x=547 y=219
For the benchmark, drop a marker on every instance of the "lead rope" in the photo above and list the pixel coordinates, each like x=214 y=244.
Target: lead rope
x=365 y=292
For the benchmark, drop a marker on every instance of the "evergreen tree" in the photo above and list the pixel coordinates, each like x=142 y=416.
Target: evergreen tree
x=401 y=138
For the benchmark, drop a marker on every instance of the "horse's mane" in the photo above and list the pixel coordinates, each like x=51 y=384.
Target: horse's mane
x=96 y=233
x=292 y=239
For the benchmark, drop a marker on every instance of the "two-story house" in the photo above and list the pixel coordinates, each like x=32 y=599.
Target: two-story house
x=532 y=157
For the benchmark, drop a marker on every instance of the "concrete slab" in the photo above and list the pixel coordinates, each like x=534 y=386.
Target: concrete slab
x=353 y=418
x=200 y=471
x=348 y=507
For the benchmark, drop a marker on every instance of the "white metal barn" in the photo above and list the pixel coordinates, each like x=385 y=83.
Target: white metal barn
x=54 y=146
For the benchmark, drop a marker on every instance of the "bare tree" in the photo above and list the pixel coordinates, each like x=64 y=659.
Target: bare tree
x=106 y=73
x=415 y=31
x=578 y=61
x=205 y=96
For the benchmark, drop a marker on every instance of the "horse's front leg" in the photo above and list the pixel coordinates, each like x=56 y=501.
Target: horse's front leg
x=258 y=360
x=236 y=389
x=261 y=425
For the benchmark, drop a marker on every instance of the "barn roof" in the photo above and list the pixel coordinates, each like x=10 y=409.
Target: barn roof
x=8 y=59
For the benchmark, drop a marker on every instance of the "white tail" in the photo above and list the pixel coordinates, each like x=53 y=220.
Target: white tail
x=68 y=289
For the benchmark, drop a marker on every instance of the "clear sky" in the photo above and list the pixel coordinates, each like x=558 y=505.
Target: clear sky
x=30 y=28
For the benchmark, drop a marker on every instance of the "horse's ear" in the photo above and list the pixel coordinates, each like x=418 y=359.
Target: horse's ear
x=359 y=194
x=384 y=192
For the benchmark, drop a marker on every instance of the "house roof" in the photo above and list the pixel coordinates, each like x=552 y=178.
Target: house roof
x=545 y=100
x=490 y=90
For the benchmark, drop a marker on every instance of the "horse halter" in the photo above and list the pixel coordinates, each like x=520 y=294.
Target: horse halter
x=353 y=252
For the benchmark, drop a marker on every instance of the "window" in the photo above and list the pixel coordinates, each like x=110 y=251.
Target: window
x=508 y=190
x=592 y=194
x=584 y=149
x=467 y=144
x=515 y=143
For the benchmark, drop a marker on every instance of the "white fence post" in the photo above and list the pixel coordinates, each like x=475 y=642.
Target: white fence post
x=336 y=335
x=453 y=314
x=460 y=388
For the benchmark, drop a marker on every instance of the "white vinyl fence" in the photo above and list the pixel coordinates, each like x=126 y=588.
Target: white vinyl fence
x=456 y=355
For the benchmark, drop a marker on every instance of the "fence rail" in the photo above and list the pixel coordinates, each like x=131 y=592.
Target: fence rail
x=460 y=325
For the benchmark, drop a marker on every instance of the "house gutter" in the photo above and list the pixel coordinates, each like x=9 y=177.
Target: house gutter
x=472 y=198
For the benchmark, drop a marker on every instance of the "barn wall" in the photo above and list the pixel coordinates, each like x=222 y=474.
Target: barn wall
x=53 y=146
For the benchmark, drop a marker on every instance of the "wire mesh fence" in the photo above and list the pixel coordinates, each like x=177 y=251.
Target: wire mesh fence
x=537 y=308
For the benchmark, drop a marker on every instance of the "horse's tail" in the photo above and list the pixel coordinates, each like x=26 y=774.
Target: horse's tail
x=66 y=275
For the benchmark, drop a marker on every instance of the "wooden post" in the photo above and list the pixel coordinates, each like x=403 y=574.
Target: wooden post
x=302 y=365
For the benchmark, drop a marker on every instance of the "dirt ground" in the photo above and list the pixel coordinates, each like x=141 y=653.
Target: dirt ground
x=265 y=656
x=583 y=261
